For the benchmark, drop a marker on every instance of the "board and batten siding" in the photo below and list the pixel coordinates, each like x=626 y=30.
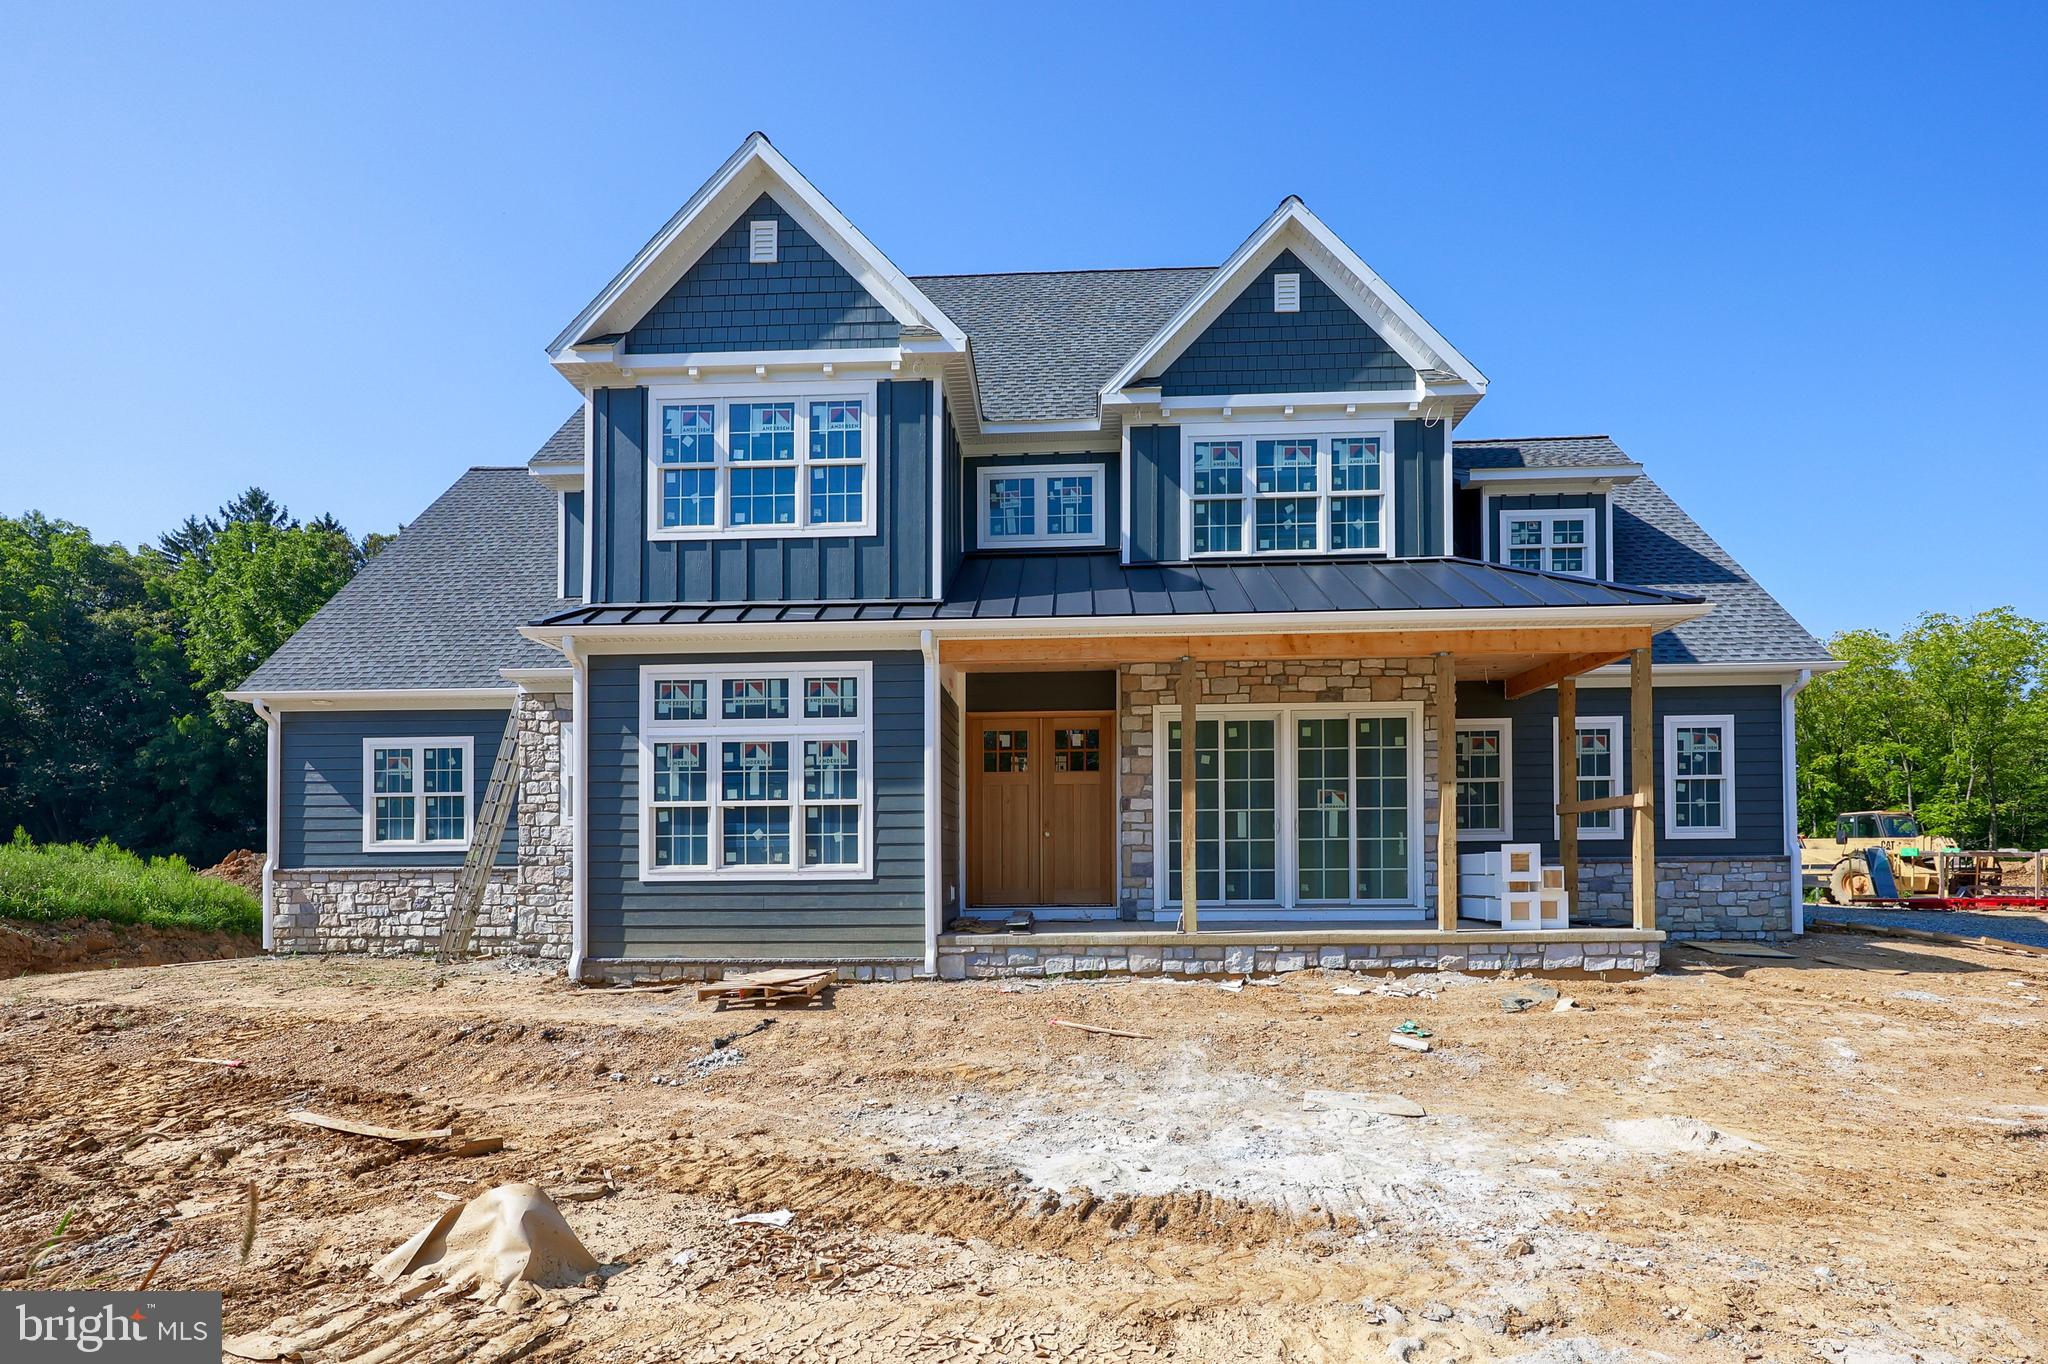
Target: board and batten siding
x=1415 y=482
x=894 y=563
x=1109 y=514
x=1594 y=503
x=321 y=768
x=803 y=300
x=572 y=543
x=1759 y=783
x=790 y=918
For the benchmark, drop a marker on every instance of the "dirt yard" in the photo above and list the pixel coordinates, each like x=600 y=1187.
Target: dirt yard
x=1841 y=1159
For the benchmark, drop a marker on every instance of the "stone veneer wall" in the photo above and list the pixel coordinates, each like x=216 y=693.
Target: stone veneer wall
x=1143 y=687
x=527 y=907
x=1701 y=897
x=971 y=960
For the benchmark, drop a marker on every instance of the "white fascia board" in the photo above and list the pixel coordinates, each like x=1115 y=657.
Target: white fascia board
x=754 y=168
x=1415 y=340
x=1713 y=674
x=726 y=363
x=392 y=698
x=1085 y=426
x=539 y=679
x=1322 y=403
x=561 y=478
x=784 y=635
x=1579 y=473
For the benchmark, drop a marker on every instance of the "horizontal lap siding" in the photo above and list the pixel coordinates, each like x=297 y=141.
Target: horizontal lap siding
x=1110 y=512
x=1759 y=764
x=893 y=563
x=322 y=775
x=882 y=916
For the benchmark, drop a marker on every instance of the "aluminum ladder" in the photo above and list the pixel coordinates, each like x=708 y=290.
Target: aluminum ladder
x=482 y=854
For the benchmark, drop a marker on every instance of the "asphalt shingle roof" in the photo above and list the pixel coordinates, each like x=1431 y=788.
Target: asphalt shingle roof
x=566 y=445
x=442 y=605
x=1044 y=344
x=1657 y=545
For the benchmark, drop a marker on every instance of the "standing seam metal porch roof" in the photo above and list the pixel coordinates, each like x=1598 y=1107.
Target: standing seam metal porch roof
x=1071 y=586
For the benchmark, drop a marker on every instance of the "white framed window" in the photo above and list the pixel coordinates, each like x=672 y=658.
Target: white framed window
x=416 y=794
x=1549 y=541
x=1313 y=805
x=1699 y=769
x=1316 y=488
x=1053 y=505
x=762 y=236
x=776 y=460
x=752 y=772
x=1485 y=777
x=570 y=764
x=1603 y=739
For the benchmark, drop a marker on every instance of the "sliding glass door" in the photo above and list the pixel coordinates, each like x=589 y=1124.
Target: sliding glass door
x=1236 y=811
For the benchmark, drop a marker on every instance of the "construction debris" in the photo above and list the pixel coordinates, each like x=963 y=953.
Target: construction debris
x=366 y=1129
x=1389 y=1105
x=512 y=1234
x=778 y=1219
x=210 y=1061
x=1407 y=1043
x=768 y=987
x=1106 y=1032
x=1740 y=949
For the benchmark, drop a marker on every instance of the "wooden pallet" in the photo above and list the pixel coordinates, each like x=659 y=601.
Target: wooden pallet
x=768 y=987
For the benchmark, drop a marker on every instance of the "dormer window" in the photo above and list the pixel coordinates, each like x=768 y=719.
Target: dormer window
x=1041 y=507
x=761 y=239
x=772 y=462
x=1316 y=491
x=1548 y=541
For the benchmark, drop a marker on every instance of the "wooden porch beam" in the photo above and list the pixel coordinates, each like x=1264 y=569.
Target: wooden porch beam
x=1556 y=672
x=1634 y=800
x=1643 y=848
x=1446 y=793
x=1190 y=799
x=1567 y=784
x=1611 y=642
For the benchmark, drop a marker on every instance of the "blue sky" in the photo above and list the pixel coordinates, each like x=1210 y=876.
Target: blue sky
x=1791 y=257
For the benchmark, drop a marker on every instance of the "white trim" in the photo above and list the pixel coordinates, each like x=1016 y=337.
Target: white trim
x=1037 y=474
x=538 y=679
x=1613 y=825
x=589 y=499
x=1789 y=723
x=1505 y=831
x=756 y=166
x=568 y=771
x=1600 y=475
x=394 y=698
x=713 y=731
x=1607 y=516
x=1247 y=438
x=273 y=815
x=934 y=802
x=579 y=847
x=1401 y=403
x=1293 y=226
x=1123 y=501
x=1086 y=426
x=940 y=475
x=1547 y=548
x=1667 y=793
x=1286 y=851
x=801 y=398
x=1711 y=674
x=419 y=794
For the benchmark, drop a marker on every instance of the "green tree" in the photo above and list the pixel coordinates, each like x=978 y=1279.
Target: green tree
x=256 y=585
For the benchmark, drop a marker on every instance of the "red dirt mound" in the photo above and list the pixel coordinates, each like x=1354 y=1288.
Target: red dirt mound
x=33 y=948
x=243 y=867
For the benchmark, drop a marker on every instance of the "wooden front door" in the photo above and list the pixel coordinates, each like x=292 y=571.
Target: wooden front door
x=1041 y=795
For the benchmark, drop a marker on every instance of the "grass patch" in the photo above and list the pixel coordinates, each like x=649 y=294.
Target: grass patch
x=57 y=882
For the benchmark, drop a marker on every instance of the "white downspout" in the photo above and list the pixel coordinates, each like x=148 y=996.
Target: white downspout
x=273 y=815
x=1790 y=691
x=934 y=893
x=579 y=831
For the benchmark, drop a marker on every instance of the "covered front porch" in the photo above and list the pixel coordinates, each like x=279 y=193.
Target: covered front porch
x=1322 y=834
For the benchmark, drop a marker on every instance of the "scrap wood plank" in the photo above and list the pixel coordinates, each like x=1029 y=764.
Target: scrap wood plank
x=764 y=987
x=1740 y=949
x=1098 y=1028
x=366 y=1129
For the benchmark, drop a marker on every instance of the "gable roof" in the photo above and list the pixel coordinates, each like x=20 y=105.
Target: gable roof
x=1657 y=545
x=441 y=606
x=1044 y=343
x=756 y=166
x=565 y=446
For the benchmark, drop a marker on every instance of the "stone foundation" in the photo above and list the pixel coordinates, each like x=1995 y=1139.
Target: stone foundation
x=1701 y=897
x=1144 y=687
x=985 y=960
x=527 y=908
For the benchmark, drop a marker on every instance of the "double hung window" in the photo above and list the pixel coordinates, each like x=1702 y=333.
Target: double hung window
x=1599 y=775
x=1699 y=761
x=755 y=772
x=1484 y=769
x=416 y=794
x=768 y=463
x=1550 y=541
x=1309 y=493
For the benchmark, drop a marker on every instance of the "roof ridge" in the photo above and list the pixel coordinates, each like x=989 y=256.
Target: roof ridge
x=1077 y=270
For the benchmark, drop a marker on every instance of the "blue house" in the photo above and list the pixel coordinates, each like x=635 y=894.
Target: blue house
x=852 y=617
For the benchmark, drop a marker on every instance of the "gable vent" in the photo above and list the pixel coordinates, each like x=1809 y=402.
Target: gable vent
x=761 y=242
x=1287 y=293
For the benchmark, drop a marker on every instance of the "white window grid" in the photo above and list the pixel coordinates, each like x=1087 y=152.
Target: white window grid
x=418 y=793
x=1599 y=824
x=811 y=414
x=1039 y=481
x=1554 y=549
x=1287 y=869
x=1723 y=775
x=1248 y=497
x=1503 y=732
x=671 y=690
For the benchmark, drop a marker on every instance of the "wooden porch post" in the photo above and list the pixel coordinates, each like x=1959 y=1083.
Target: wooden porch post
x=1642 y=733
x=1446 y=794
x=1568 y=783
x=1189 y=799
